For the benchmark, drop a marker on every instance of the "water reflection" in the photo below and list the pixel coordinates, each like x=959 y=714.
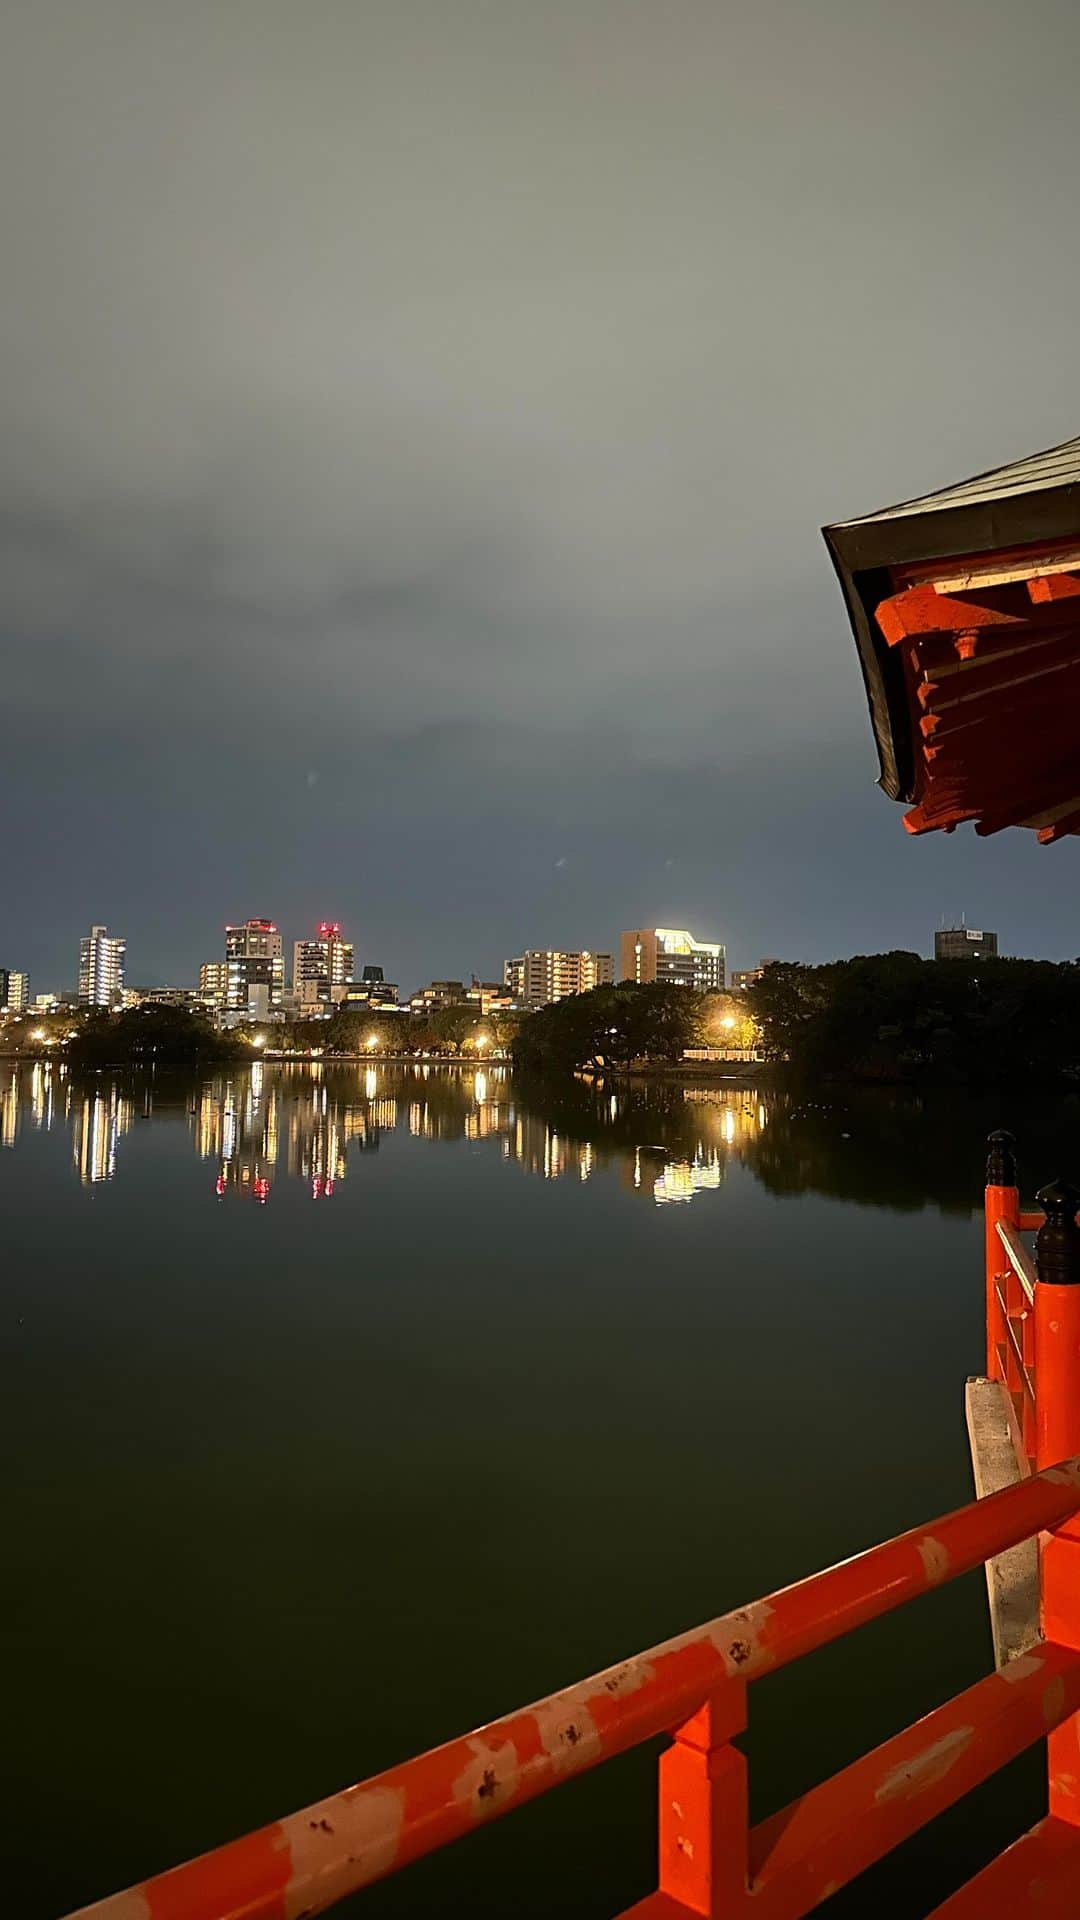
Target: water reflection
x=667 y=1144
x=98 y=1123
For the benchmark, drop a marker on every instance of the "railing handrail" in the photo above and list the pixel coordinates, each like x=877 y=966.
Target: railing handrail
x=310 y=1860
x=1020 y=1259
x=1016 y=1348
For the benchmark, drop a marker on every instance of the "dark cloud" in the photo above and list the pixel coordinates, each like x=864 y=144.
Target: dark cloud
x=417 y=419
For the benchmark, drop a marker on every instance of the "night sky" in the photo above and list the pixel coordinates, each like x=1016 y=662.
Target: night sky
x=418 y=419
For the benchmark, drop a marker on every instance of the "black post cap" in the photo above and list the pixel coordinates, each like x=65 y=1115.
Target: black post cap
x=1057 y=1243
x=1001 y=1159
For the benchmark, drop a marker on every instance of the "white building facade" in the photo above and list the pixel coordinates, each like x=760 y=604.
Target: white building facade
x=101 y=969
x=542 y=974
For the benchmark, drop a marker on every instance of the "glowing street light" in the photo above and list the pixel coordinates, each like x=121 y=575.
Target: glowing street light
x=727 y=1023
x=372 y=1042
x=258 y=1040
x=482 y=1041
x=38 y=1033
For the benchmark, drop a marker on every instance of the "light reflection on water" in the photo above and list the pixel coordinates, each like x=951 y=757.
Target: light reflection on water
x=664 y=1140
x=261 y=1124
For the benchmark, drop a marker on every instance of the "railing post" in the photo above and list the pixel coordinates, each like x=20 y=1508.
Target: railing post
x=1001 y=1202
x=1057 y=1424
x=704 y=1810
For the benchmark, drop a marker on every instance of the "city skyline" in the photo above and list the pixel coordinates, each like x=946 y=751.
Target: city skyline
x=594 y=966
x=341 y=960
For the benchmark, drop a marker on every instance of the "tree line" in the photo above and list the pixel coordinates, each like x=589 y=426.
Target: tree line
x=897 y=1017
x=610 y=1027
x=888 y=1017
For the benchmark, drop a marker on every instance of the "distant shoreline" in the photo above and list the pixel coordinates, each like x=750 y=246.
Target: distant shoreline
x=38 y=1055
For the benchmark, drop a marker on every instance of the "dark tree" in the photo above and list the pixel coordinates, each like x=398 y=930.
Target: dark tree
x=151 y=1035
x=609 y=1027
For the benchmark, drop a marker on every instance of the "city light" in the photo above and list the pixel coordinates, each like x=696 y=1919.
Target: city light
x=372 y=1042
x=258 y=1040
x=38 y=1033
x=727 y=1023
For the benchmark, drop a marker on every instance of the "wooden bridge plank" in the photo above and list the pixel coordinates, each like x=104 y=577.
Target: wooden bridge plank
x=1012 y=1579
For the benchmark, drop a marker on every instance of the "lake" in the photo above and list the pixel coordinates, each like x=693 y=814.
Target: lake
x=349 y=1406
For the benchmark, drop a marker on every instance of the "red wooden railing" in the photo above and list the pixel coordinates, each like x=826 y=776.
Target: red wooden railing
x=711 y=1861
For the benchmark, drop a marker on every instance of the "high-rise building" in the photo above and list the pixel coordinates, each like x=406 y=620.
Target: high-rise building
x=965 y=943
x=14 y=990
x=671 y=954
x=213 y=982
x=254 y=968
x=101 y=969
x=321 y=967
x=542 y=974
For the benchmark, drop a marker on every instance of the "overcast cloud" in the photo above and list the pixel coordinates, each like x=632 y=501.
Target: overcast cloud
x=417 y=422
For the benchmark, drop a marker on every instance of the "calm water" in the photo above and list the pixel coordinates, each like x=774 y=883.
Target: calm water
x=349 y=1407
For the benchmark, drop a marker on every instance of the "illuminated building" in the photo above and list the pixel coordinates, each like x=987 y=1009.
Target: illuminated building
x=14 y=990
x=673 y=955
x=490 y=996
x=371 y=990
x=101 y=969
x=965 y=943
x=254 y=968
x=323 y=966
x=185 y=997
x=441 y=993
x=748 y=976
x=543 y=974
x=213 y=982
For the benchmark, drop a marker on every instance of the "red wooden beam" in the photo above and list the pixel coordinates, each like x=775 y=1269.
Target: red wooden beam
x=837 y=1830
x=310 y=1860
